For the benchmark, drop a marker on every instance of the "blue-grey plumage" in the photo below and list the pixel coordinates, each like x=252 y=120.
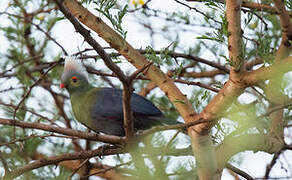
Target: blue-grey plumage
x=108 y=112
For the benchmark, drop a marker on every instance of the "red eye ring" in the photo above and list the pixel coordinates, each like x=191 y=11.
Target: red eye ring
x=74 y=79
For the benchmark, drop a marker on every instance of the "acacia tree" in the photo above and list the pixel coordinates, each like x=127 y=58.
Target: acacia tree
x=237 y=99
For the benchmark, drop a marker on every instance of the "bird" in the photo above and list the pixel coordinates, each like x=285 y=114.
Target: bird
x=100 y=108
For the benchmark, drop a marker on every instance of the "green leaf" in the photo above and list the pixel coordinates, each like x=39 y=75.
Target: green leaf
x=210 y=38
x=179 y=101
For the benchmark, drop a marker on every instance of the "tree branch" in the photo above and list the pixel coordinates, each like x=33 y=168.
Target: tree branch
x=127 y=92
x=286 y=46
x=248 y=4
x=270 y=166
x=233 y=14
x=66 y=131
x=239 y=172
x=31 y=87
x=59 y=158
x=191 y=57
x=170 y=127
x=264 y=73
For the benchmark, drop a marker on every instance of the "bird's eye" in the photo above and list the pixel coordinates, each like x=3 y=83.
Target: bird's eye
x=74 y=79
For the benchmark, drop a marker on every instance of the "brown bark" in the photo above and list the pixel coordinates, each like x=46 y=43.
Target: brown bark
x=65 y=131
x=286 y=46
x=59 y=158
x=71 y=165
x=233 y=15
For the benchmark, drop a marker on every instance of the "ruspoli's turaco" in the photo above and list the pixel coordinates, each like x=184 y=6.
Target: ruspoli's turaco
x=100 y=108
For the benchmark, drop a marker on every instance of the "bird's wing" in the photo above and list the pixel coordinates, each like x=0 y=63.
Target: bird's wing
x=144 y=107
x=109 y=104
x=107 y=111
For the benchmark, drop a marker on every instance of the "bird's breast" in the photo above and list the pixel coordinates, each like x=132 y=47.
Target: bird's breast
x=80 y=107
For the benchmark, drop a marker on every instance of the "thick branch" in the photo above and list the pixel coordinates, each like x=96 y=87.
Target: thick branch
x=233 y=14
x=224 y=98
x=285 y=47
x=284 y=16
x=264 y=73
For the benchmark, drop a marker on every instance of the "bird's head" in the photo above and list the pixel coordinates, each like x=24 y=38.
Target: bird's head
x=74 y=77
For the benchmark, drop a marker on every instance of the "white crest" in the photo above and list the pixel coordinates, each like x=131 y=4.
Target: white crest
x=73 y=63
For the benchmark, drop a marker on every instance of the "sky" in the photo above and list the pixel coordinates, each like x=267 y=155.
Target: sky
x=254 y=163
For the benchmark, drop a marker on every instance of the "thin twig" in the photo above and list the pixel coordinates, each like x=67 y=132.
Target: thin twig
x=168 y=145
x=205 y=86
x=31 y=87
x=36 y=136
x=270 y=166
x=31 y=111
x=107 y=169
x=21 y=63
x=197 y=84
x=171 y=127
x=248 y=4
x=239 y=172
x=174 y=55
x=135 y=74
x=59 y=158
x=80 y=166
x=277 y=108
x=90 y=40
x=191 y=57
x=198 y=11
x=50 y=37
